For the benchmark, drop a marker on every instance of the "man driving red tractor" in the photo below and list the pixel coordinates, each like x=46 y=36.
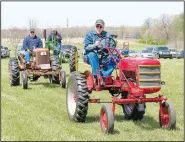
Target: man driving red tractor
x=135 y=78
x=91 y=54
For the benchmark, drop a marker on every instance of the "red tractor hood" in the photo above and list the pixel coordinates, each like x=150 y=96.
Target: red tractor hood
x=133 y=63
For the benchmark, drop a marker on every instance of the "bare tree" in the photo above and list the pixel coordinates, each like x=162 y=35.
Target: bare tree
x=166 y=22
x=147 y=27
x=32 y=23
x=14 y=39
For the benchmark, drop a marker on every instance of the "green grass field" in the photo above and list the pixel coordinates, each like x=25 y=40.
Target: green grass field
x=40 y=113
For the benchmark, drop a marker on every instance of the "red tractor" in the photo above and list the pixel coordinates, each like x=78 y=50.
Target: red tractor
x=135 y=78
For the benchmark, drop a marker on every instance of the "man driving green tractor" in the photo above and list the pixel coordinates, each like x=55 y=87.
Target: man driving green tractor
x=56 y=37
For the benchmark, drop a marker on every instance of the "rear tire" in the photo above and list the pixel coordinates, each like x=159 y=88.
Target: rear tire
x=14 y=72
x=107 y=119
x=77 y=97
x=73 y=60
x=60 y=58
x=131 y=110
x=55 y=64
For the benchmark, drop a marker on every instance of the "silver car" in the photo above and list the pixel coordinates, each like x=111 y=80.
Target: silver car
x=174 y=52
x=146 y=54
x=5 y=52
x=132 y=53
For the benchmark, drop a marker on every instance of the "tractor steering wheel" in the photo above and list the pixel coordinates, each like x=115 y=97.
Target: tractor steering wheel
x=105 y=43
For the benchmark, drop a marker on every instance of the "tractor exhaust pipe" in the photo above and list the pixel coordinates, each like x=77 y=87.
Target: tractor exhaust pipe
x=44 y=34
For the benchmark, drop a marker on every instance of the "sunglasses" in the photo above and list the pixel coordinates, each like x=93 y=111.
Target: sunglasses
x=32 y=32
x=99 y=26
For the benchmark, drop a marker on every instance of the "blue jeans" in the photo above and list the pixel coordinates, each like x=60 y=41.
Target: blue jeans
x=59 y=46
x=109 y=65
x=27 y=56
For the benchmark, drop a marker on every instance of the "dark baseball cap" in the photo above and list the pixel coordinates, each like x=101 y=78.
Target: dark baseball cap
x=100 y=21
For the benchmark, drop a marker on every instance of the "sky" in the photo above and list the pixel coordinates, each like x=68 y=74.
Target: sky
x=55 y=14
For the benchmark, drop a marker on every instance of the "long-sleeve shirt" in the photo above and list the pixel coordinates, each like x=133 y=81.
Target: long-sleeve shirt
x=91 y=37
x=30 y=43
x=57 y=37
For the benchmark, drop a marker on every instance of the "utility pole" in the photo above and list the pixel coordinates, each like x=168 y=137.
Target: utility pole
x=67 y=27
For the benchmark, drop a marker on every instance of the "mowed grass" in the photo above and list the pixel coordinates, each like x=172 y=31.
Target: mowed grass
x=40 y=113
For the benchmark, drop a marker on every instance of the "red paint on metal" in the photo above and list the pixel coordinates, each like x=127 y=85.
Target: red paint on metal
x=164 y=115
x=104 y=119
x=132 y=64
x=137 y=100
x=90 y=80
x=93 y=100
x=75 y=97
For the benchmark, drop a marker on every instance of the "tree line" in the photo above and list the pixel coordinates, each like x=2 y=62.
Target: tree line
x=163 y=30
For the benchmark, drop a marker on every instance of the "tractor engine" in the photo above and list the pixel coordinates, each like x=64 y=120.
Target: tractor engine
x=145 y=73
x=41 y=58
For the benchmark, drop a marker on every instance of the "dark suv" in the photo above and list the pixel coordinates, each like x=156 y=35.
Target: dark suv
x=162 y=52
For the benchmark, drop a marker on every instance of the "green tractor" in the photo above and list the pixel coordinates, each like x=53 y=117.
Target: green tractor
x=52 y=46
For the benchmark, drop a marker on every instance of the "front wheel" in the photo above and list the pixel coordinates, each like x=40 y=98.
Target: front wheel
x=14 y=72
x=168 y=119
x=63 y=79
x=77 y=97
x=24 y=80
x=107 y=119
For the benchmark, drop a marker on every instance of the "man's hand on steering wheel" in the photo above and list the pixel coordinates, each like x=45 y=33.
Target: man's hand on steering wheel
x=29 y=50
x=96 y=45
x=107 y=42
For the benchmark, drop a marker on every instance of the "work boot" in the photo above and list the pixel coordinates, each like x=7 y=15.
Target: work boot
x=102 y=83
x=95 y=79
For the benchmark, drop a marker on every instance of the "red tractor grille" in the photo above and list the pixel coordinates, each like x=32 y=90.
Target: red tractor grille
x=149 y=76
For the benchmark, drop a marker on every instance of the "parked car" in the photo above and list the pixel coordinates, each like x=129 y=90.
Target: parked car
x=180 y=54
x=146 y=54
x=161 y=52
x=5 y=52
x=149 y=49
x=123 y=52
x=132 y=53
x=174 y=52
